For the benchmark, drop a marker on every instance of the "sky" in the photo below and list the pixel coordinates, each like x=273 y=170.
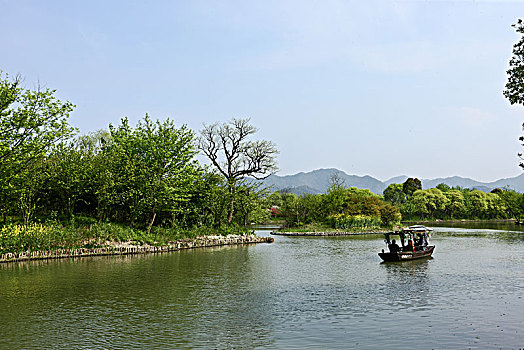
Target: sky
x=379 y=88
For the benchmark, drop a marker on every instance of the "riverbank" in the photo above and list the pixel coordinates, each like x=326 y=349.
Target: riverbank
x=464 y=221
x=329 y=233
x=132 y=247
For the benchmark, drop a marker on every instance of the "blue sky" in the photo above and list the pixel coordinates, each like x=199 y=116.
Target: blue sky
x=380 y=88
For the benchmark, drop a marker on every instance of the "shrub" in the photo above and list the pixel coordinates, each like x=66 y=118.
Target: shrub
x=344 y=221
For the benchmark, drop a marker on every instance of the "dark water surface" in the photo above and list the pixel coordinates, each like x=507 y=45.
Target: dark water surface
x=296 y=293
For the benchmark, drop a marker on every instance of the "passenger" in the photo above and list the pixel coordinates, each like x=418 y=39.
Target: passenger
x=410 y=247
x=418 y=240
x=393 y=247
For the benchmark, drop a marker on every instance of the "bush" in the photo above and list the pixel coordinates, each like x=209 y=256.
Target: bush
x=344 y=221
x=50 y=236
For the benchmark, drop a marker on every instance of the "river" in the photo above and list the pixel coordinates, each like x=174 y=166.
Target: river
x=298 y=292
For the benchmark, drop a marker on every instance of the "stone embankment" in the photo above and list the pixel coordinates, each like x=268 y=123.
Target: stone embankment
x=124 y=248
x=329 y=233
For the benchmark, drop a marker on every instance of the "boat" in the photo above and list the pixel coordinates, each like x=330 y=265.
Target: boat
x=417 y=246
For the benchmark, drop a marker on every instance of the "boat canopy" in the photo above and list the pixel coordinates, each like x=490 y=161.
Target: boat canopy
x=417 y=228
x=409 y=233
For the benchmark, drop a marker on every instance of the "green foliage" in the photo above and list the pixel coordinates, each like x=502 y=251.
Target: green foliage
x=78 y=234
x=128 y=183
x=32 y=123
x=513 y=201
x=514 y=91
x=150 y=169
x=394 y=194
x=411 y=185
x=429 y=202
x=344 y=221
x=443 y=187
x=454 y=203
x=340 y=208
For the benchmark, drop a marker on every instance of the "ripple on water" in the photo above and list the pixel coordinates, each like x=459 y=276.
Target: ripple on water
x=295 y=293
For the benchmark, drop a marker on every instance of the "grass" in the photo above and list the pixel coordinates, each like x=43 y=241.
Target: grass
x=320 y=227
x=85 y=233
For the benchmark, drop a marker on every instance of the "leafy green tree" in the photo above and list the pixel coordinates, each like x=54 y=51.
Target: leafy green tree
x=455 y=202
x=311 y=208
x=235 y=157
x=443 y=187
x=67 y=179
x=32 y=123
x=291 y=209
x=251 y=204
x=429 y=202
x=152 y=168
x=477 y=204
x=514 y=91
x=394 y=194
x=411 y=185
x=514 y=203
x=389 y=214
x=209 y=202
x=274 y=199
x=496 y=206
x=334 y=200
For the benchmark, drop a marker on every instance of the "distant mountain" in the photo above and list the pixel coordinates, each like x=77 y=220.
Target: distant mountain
x=515 y=183
x=396 y=180
x=453 y=181
x=300 y=190
x=318 y=181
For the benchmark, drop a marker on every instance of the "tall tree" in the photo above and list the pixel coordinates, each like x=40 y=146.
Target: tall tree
x=32 y=122
x=514 y=203
x=336 y=180
x=394 y=194
x=514 y=91
x=229 y=149
x=411 y=185
x=456 y=202
x=152 y=167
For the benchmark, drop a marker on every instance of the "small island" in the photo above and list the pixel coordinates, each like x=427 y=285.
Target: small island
x=344 y=211
x=339 y=212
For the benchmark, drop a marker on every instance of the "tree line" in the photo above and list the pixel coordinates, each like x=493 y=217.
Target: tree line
x=339 y=208
x=143 y=176
x=346 y=208
x=147 y=175
x=453 y=203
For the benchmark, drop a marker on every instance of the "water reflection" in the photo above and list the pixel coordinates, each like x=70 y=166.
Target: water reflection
x=407 y=285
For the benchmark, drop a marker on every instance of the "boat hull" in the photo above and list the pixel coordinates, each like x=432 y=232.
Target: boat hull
x=408 y=255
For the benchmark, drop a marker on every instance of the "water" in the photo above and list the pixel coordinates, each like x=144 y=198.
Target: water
x=296 y=293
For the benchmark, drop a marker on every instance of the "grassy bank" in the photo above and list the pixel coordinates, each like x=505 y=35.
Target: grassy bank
x=323 y=228
x=17 y=237
x=454 y=221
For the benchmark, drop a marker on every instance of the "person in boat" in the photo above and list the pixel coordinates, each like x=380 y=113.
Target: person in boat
x=393 y=247
x=409 y=247
x=425 y=240
x=418 y=240
x=402 y=239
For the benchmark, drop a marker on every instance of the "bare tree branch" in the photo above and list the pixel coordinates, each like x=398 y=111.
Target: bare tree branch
x=235 y=157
